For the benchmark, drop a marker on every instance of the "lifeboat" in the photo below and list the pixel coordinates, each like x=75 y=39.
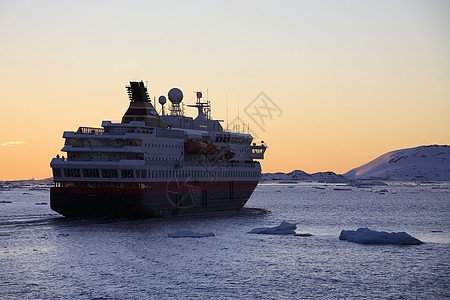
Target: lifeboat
x=229 y=154
x=194 y=147
x=211 y=149
x=199 y=147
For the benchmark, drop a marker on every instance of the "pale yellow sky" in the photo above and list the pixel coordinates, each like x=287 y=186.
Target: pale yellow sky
x=353 y=79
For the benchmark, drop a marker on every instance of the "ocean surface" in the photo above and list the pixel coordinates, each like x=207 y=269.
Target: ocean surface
x=45 y=256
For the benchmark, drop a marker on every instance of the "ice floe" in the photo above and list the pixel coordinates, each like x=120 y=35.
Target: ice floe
x=342 y=189
x=189 y=233
x=366 y=183
x=283 y=228
x=303 y=234
x=368 y=236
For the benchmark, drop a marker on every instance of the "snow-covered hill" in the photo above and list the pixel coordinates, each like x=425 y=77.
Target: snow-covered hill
x=30 y=183
x=329 y=177
x=419 y=163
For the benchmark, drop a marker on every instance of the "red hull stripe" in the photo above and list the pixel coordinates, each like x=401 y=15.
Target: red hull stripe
x=154 y=187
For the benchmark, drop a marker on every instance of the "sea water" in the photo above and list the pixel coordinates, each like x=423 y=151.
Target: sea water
x=46 y=256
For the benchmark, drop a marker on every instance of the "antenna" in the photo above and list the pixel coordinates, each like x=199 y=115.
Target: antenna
x=208 y=103
x=227 y=112
x=176 y=96
x=238 y=120
x=162 y=101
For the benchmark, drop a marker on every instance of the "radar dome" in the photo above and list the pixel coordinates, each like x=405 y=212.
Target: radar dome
x=162 y=100
x=175 y=96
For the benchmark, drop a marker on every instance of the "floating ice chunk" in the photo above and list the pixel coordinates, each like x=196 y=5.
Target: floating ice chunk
x=189 y=233
x=303 y=234
x=342 y=189
x=368 y=236
x=283 y=228
x=362 y=184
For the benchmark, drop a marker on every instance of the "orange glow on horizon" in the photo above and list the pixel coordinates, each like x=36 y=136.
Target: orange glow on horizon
x=352 y=82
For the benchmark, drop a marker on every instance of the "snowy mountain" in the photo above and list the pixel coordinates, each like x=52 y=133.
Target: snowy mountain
x=329 y=177
x=419 y=163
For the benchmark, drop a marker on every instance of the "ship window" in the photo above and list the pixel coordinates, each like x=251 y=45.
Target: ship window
x=93 y=185
x=110 y=185
x=109 y=173
x=79 y=184
x=56 y=172
x=72 y=173
x=131 y=185
x=90 y=173
x=127 y=173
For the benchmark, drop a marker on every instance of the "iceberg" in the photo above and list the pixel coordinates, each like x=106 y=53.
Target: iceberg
x=189 y=233
x=368 y=236
x=283 y=228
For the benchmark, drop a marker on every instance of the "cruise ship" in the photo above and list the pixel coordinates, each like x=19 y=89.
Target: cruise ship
x=155 y=165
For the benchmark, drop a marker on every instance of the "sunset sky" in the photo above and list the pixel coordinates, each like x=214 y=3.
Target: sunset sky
x=350 y=80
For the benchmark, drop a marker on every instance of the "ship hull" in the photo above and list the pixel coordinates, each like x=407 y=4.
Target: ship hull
x=94 y=203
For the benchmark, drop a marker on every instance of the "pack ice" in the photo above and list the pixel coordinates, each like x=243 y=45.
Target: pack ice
x=189 y=233
x=368 y=236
